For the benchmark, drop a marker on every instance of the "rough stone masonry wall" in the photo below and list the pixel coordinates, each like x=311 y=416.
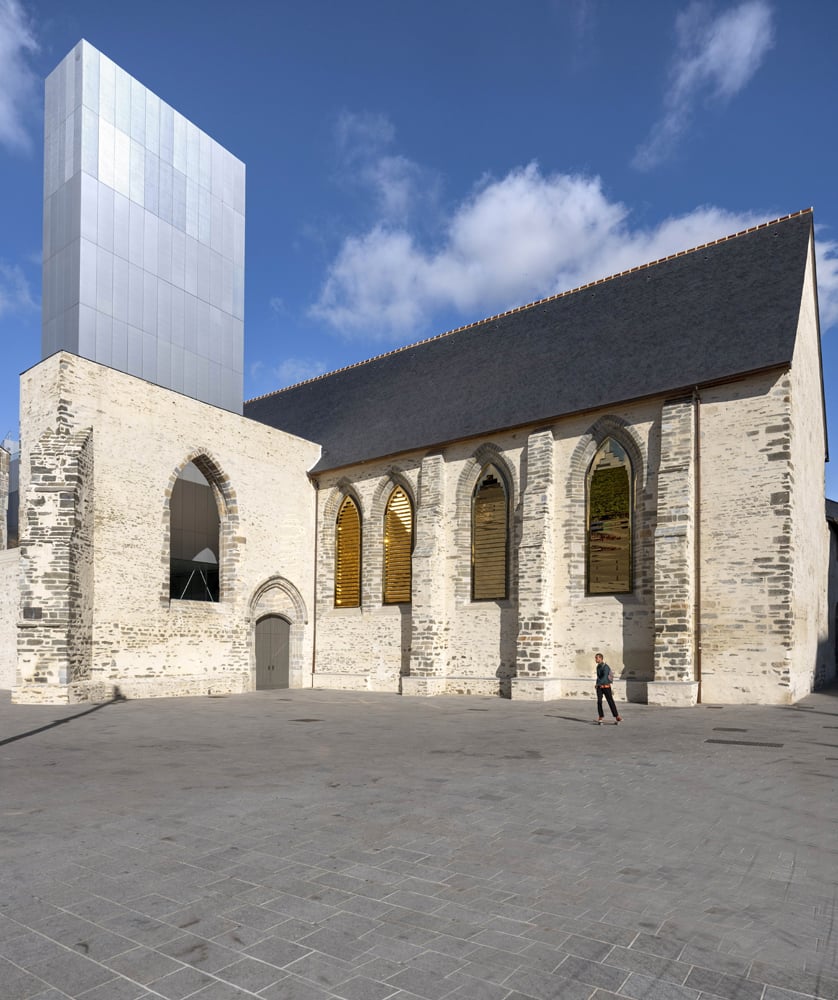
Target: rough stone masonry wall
x=812 y=653
x=368 y=646
x=747 y=557
x=4 y=497
x=142 y=435
x=9 y=602
x=442 y=641
x=621 y=626
x=55 y=627
x=547 y=627
x=675 y=542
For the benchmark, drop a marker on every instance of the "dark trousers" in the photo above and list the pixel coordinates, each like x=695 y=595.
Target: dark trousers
x=600 y=691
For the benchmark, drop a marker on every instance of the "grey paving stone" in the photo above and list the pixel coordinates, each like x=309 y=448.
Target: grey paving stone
x=732 y=965
x=420 y=982
x=653 y=944
x=437 y=962
x=292 y=988
x=20 y=985
x=439 y=853
x=338 y=944
x=250 y=974
x=361 y=988
x=286 y=904
x=473 y=989
x=323 y=970
x=117 y=989
x=820 y=985
x=221 y=991
x=776 y=993
x=71 y=973
x=179 y=984
x=142 y=929
x=656 y=966
x=277 y=951
x=586 y=947
x=29 y=948
x=378 y=968
x=640 y=987
x=721 y=985
x=189 y=949
x=543 y=986
x=142 y=964
x=584 y=970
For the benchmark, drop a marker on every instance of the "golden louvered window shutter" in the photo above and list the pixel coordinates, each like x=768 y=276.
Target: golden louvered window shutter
x=398 y=547
x=489 y=530
x=348 y=556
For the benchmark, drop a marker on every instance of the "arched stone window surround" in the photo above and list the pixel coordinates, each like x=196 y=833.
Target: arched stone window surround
x=374 y=547
x=278 y=596
x=487 y=454
x=576 y=530
x=228 y=522
x=328 y=551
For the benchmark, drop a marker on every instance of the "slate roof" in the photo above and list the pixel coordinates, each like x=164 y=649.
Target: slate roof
x=718 y=311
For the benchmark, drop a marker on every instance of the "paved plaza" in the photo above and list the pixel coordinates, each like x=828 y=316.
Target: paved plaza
x=311 y=845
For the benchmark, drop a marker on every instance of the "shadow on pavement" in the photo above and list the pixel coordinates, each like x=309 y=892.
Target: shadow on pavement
x=117 y=697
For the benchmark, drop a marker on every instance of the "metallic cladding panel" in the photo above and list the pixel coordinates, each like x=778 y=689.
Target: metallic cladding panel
x=143 y=234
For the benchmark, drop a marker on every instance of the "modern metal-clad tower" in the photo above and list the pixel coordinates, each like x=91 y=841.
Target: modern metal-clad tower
x=143 y=235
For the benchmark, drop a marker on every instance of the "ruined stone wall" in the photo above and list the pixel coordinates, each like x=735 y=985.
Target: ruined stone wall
x=9 y=602
x=56 y=594
x=140 y=437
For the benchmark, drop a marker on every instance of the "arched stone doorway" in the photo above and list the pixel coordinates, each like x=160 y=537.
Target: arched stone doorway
x=278 y=620
x=273 y=633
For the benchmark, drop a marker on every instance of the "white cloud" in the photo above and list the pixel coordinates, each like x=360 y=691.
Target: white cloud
x=513 y=240
x=398 y=185
x=293 y=370
x=19 y=85
x=827 y=281
x=715 y=57
x=15 y=291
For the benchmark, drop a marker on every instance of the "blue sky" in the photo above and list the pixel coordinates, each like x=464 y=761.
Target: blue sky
x=415 y=166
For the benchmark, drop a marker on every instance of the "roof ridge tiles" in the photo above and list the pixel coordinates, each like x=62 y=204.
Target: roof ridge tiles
x=536 y=302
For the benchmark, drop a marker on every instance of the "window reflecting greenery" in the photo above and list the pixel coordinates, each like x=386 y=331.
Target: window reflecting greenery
x=489 y=531
x=609 y=521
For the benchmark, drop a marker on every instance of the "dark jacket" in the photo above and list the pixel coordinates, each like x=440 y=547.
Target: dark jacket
x=602 y=674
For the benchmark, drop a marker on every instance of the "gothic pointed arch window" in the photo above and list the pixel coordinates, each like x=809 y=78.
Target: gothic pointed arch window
x=610 y=487
x=348 y=555
x=398 y=548
x=193 y=538
x=489 y=536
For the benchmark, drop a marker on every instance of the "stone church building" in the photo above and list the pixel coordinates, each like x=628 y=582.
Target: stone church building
x=634 y=467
